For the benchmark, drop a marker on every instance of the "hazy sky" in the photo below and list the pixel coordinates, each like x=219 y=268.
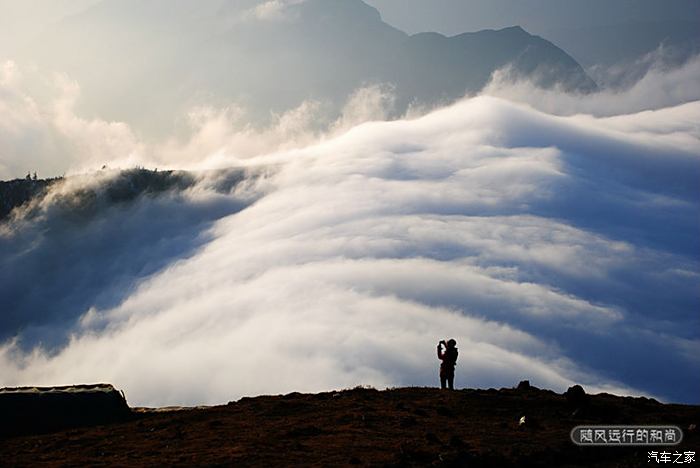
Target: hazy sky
x=446 y=16
x=456 y=16
x=30 y=16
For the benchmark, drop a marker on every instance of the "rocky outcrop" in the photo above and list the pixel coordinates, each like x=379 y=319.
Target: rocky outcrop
x=17 y=192
x=35 y=410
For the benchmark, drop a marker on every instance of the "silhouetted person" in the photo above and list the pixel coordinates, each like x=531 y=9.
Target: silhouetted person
x=448 y=356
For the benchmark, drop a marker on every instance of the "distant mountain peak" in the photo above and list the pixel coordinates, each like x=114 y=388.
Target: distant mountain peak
x=234 y=51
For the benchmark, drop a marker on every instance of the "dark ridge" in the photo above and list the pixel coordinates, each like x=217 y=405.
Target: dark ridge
x=17 y=192
x=125 y=187
x=510 y=427
x=87 y=242
x=135 y=182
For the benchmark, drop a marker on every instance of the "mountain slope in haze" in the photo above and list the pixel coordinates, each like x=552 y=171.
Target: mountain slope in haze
x=144 y=62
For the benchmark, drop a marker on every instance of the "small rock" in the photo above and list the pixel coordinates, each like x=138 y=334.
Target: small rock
x=528 y=422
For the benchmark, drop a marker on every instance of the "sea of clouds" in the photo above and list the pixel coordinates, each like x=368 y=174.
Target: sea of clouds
x=555 y=237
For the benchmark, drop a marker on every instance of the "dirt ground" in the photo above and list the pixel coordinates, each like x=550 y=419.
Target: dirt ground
x=364 y=427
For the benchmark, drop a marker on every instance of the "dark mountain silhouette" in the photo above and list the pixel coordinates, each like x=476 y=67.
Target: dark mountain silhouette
x=17 y=192
x=79 y=227
x=537 y=16
x=510 y=427
x=146 y=61
x=85 y=202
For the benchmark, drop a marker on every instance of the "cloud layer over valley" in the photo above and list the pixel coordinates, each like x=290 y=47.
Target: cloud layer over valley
x=557 y=245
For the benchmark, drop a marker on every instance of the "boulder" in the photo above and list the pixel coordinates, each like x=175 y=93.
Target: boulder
x=36 y=410
x=576 y=397
x=523 y=386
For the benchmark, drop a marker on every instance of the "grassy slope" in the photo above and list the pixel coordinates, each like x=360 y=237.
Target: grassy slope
x=401 y=427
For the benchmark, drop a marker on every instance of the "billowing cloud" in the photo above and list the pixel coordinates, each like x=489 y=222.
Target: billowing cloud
x=272 y=10
x=659 y=86
x=559 y=249
x=49 y=136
